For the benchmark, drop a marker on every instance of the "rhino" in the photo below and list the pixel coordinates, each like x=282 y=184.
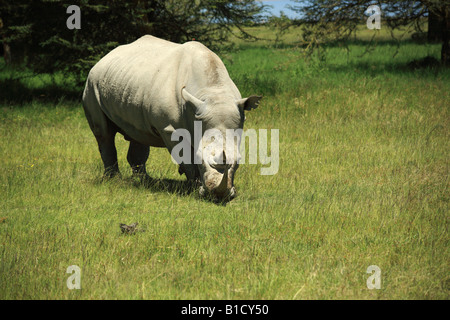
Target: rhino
x=148 y=89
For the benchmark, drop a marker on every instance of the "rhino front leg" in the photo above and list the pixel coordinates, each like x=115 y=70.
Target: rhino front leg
x=189 y=169
x=137 y=157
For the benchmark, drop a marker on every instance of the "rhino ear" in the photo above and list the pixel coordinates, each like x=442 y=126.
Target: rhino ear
x=249 y=103
x=193 y=100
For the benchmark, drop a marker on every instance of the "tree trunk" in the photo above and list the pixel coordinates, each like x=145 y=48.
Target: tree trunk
x=6 y=51
x=435 y=24
x=439 y=28
x=445 y=52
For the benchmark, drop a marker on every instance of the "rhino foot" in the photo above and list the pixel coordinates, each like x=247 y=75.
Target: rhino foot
x=111 y=172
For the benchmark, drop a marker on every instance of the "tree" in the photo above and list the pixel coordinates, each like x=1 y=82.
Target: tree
x=327 y=20
x=37 y=34
x=280 y=25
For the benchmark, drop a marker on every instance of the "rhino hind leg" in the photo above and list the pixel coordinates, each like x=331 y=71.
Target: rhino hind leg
x=137 y=157
x=108 y=153
x=104 y=131
x=105 y=135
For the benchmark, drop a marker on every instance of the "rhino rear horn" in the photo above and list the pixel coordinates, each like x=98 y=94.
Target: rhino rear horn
x=193 y=100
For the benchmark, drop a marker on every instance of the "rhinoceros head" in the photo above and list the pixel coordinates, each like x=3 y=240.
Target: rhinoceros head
x=217 y=149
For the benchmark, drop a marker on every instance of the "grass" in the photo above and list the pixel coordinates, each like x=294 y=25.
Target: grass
x=270 y=36
x=363 y=180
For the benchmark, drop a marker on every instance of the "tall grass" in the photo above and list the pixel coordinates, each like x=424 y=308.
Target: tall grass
x=363 y=180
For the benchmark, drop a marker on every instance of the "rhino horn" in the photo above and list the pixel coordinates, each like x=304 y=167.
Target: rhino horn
x=192 y=99
x=222 y=187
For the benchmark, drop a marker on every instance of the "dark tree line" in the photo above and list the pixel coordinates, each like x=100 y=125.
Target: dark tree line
x=35 y=31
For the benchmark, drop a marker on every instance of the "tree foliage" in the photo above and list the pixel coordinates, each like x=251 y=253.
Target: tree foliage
x=37 y=34
x=331 y=20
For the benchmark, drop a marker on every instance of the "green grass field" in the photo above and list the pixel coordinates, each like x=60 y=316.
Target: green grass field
x=363 y=180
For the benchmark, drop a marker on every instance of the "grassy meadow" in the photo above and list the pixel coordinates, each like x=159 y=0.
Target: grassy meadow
x=363 y=180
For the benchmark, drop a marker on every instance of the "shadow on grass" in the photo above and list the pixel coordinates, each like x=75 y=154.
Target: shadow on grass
x=178 y=187
x=14 y=91
x=181 y=188
x=427 y=66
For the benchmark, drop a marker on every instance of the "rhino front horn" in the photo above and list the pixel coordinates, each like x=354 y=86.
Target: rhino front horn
x=222 y=187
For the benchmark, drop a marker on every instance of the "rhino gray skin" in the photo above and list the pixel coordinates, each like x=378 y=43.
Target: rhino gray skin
x=149 y=88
